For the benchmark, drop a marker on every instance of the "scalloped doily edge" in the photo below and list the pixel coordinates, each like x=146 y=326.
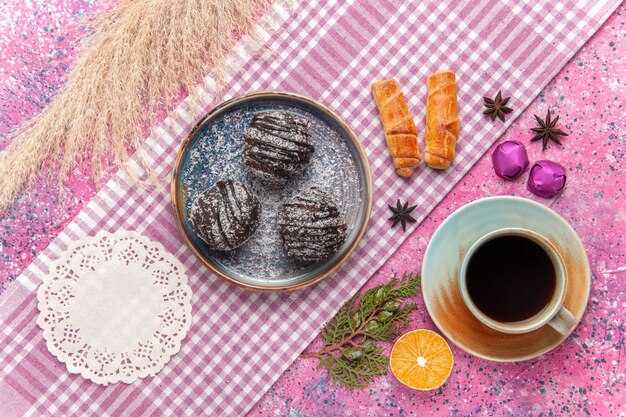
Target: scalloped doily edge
x=84 y=371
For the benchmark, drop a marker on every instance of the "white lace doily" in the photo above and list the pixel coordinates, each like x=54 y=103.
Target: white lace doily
x=115 y=307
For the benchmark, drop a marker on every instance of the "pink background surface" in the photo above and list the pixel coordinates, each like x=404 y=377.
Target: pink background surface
x=585 y=375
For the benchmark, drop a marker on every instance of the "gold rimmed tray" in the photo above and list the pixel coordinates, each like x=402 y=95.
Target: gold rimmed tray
x=213 y=151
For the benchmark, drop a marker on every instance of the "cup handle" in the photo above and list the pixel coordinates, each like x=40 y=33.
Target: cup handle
x=563 y=321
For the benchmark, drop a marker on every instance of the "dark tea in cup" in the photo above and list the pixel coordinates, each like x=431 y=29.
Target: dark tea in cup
x=514 y=281
x=510 y=278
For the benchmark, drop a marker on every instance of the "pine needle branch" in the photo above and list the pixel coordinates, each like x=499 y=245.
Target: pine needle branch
x=350 y=354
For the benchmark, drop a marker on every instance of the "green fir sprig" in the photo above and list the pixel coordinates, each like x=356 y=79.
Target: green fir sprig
x=350 y=352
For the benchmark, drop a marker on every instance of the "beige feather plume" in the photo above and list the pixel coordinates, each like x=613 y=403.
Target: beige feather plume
x=139 y=57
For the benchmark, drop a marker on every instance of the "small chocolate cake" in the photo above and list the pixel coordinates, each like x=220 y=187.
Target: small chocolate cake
x=278 y=145
x=311 y=226
x=225 y=215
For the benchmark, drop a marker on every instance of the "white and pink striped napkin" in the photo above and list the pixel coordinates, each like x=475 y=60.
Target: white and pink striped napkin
x=331 y=50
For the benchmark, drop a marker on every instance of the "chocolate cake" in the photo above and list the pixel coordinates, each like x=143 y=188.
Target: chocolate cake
x=225 y=215
x=311 y=226
x=278 y=145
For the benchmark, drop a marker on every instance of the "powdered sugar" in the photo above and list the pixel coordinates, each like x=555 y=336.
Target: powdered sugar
x=225 y=215
x=311 y=226
x=217 y=153
x=278 y=145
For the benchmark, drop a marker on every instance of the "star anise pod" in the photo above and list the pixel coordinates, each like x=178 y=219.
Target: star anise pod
x=497 y=106
x=401 y=214
x=546 y=131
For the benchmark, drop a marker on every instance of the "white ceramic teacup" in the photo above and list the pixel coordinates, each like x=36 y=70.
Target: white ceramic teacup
x=553 y=313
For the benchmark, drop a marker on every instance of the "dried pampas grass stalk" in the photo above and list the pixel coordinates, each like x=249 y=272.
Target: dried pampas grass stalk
x=139 y=57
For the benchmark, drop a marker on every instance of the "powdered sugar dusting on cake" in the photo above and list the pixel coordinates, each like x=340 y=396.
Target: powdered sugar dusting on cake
x=311 y=226
x=278 y=145
x=226 y=215
x=218 y=154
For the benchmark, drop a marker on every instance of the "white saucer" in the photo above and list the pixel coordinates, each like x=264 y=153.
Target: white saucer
x=443 y=258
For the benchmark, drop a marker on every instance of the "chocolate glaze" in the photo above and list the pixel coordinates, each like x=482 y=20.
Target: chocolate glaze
x=278 y=145
x=311 y=226
x=225 y=215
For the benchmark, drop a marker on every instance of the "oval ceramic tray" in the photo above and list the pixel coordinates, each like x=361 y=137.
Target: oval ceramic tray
x=213 y=151
x=442 y=260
